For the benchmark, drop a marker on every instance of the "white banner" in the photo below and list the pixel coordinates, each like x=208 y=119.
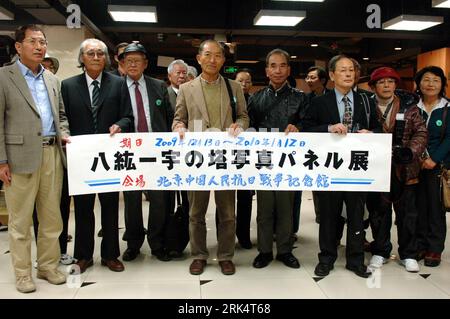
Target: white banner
x=217 y=161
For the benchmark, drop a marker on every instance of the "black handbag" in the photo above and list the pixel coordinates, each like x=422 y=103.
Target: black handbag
x=177 y=231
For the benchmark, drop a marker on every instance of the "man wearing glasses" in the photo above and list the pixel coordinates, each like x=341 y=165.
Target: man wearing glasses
x=95 y=104
x=152 y=113
x=33 y=127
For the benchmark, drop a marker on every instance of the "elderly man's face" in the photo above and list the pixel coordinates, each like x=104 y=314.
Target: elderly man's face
x=94 y=58
x=33 y=47
x=211 y=59
x=278 y=70
x=344 y=75
x=245 y=80
x=178 y=75
x=135 y=64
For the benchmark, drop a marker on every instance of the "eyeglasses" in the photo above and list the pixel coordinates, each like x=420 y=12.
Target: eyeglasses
x=384 y=81
x=91 y=54
x=34 y=41
x=131 y=62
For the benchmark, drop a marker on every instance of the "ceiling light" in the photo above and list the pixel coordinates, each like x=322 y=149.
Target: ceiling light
x=366 y=59
x=441 y=4
x=285 y=18
x=314 y=45
x=246 y=61
x=398 y=48
x=6 y=14
x=293 y=57
x=412 y=22
x=133 y=13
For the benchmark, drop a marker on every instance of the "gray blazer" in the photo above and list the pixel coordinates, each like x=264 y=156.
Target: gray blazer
x=20 y=123
x=172 y=97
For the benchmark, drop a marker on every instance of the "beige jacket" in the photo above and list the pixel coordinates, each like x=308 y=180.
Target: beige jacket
x=20 y=123
x=191 y=107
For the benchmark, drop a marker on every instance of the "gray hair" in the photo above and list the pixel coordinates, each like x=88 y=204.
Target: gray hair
x=192 y=70
x=96 y=41
x=202 y=46
x=281 y=52
x=174 y=62
x=334 y=60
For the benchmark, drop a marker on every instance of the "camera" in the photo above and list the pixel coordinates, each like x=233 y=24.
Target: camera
x=400 y=154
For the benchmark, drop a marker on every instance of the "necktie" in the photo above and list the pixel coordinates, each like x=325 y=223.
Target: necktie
x=347 y=119
x=141 y=119
x=95 y=98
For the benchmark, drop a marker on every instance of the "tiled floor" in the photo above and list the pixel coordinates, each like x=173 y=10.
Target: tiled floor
x=146 y=277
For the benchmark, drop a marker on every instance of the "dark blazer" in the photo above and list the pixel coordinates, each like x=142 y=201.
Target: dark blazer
x=113 y=107
x=161 y=112
x=323 y=111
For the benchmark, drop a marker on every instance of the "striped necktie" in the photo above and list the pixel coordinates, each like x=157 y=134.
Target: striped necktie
x=95 y=100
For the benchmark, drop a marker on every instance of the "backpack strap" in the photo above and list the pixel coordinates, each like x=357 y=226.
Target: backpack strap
x=232 y=99
x=444 y=120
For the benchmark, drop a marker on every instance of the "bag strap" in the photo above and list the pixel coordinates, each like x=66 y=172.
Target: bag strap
x=444 y=120
x=366 y=103
x=232 y=100
x=178 y=198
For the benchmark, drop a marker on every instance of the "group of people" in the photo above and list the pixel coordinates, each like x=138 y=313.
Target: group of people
x=39 y=114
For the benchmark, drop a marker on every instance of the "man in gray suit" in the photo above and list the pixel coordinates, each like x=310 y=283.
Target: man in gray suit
x=205 y=100
x=177 y=73
x=33 y=127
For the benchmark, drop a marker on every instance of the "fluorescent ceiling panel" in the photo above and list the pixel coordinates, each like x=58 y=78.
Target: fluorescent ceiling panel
x=133 y=13
x=441 y=4
x=6 y=14
x=412 y=22
x=284 y=18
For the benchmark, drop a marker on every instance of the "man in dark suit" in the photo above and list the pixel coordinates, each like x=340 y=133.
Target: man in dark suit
x=341 y=111
x=177 y=74
x=95 y=104
x=120 y=71
x=316 y=79
x=152 y=113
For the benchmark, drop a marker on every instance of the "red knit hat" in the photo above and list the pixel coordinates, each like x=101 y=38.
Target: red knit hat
x=383 y=72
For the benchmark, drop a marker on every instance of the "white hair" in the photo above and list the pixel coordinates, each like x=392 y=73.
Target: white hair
x=93 y=41
x=172 y=64
x=192 y=70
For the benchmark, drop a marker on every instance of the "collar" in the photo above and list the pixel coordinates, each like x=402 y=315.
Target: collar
x=282 y=89
x=207 y=82
x=339 y=95
x=175 y=89
x=90 y=80
x=141 y=81
x=439 y=105
x=27 y=71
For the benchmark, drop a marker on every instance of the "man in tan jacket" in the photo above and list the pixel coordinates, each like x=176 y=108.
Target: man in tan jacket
x=33 y=126
x=204 y=104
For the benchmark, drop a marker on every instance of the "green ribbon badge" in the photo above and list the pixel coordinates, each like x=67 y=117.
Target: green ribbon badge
x=158 y=102
x=439 y=123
